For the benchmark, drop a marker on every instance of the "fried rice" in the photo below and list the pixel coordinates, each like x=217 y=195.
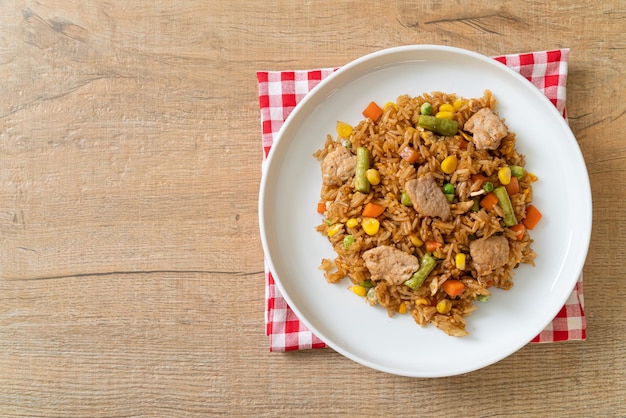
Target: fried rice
x=404 y=228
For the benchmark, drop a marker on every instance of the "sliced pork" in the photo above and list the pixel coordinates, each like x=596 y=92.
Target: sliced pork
x=428 y=198
x=390 y=264
x=489 y=254
x=487 y=129
x=338 y=166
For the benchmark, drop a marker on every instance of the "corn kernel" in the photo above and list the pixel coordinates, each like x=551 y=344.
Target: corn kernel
x=390 y=105
x=416 y=241
x=444 y=306
x=402 y=309
x=333 y=230
x=446 y=107
x=448 y=165
x=459 y=261
x=457 y=104
x=359 y=290
x=370 y=226
x=343 y=129
x=421 y=301
x=504 y=175
x=442 y=114
x=352 y=223
x=373 y=176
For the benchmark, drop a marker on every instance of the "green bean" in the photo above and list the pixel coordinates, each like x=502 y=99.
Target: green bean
x=418 y=278
x=445 y=127
x=361 y=183
x=476 y=205
x=505 y=203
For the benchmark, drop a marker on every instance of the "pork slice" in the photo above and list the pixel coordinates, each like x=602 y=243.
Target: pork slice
x=428 y=198
x=390 y=264
x=489 y=254
x=338 y=166
x=487 y=129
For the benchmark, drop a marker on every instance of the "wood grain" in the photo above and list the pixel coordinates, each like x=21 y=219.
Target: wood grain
x=131 y=270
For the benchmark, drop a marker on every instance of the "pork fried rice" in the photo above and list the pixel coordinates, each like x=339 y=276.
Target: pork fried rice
x=415 y=227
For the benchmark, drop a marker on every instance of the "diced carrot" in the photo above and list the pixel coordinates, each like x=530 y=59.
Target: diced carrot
x=489 y=283
x=373 y=111
x=453 y=287
x=478 y=177
x=489 y=201
x=532 y=217
x=409 y=154
x=519 y=230
x=372 y=210
x=462 y=144
x=432 y=245
x=513 y=186
x=321 y=207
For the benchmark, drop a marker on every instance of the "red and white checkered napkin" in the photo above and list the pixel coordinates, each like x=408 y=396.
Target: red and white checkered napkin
x=280 y=91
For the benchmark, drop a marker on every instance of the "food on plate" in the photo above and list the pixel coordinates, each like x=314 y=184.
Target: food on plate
x=427 y=204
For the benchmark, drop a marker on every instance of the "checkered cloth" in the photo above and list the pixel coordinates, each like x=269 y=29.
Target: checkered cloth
x=280 y=91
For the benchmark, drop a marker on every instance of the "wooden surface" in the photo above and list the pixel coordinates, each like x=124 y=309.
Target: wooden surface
x=131 y=269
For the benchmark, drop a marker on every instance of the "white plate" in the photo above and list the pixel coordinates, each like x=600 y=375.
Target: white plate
x=290 y=191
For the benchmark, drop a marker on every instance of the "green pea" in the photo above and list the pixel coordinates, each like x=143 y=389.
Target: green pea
x=405 y=199
x=367 y=284
x=347 y=241
x=517 y=171
x=426 y=109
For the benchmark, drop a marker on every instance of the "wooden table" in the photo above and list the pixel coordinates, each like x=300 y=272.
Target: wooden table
x=131 y=269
